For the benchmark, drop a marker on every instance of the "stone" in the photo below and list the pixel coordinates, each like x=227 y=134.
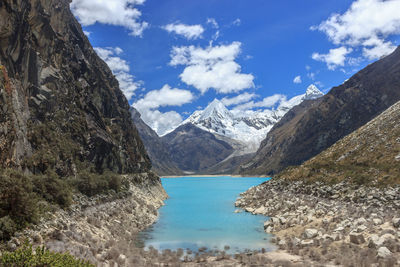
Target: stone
x=361 y=228
x=310 y=233
x=360 y=221
x=375 y=241
x=377 y=221
x=238 y=211
x=357 y=238
x=396 y=222
x=121 y=259
x=307 y=243
x=384 y=252
x=269 y=229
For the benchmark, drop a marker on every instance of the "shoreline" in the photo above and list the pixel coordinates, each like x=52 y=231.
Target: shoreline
x=211 y=175
x=342 y=224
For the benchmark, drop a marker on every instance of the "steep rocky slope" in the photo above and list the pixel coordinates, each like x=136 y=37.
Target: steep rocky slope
x=318 y=124
x=65 y=131
x=156 y=148
x=61 y=106
x=194 y=149
x=371 y=154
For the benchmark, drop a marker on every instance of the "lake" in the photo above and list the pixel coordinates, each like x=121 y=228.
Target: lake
x=200 y=213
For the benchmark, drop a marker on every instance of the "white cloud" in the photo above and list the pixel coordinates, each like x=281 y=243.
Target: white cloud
x=297 y=79
x=237 y=22
x=166 y=96
x=116 y=12
x=213 y=23
x=87 y=33
x=161 y=123
x=336 y=57
x=120 y=68
x=267 y=102
x=212 y=67
x=366 y=24
x=238 y=99
x=190 y=32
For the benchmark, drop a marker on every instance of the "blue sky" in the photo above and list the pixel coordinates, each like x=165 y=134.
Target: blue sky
x=237 y=50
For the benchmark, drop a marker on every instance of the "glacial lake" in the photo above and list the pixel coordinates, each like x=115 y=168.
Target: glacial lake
x=200 y=213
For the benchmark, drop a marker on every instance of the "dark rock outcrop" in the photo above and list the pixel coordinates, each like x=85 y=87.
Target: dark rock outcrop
x=60 y=105
x=156 y=148
x=194 y=149
x=315 y=125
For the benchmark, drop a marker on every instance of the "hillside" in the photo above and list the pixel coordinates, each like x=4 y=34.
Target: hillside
x=194 y=149
x=158 y=151
x=371 y=154
x=318 y=124
x=61 y=106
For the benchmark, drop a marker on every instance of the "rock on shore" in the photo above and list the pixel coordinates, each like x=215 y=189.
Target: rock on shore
x=331 y=224
x=101 y=229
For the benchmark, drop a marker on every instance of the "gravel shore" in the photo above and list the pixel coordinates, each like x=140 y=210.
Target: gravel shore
x=341 y=224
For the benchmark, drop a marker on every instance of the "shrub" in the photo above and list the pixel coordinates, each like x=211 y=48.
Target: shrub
x=26 y=256
x=92 y=184
x=53 y=189
x=17 y=197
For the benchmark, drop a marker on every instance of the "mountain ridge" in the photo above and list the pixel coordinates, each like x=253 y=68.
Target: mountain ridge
x=304 y=132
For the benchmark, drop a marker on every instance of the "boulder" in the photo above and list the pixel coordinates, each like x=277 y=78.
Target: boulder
x=377 y=221
x=310 y=233
x=357 y=238
x=375 y=241
x=384 y=252
x=396 y=222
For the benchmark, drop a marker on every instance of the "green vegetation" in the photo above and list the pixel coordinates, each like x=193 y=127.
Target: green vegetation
x=25 y=198
x=40 y=257
x=92 y=184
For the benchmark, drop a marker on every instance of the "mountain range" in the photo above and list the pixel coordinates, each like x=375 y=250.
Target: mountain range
x=214 y=140
x=314 y=125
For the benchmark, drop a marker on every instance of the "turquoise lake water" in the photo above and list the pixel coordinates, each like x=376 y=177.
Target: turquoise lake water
x=200 y=213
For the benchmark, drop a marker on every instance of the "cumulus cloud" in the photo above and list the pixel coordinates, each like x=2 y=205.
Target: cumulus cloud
x=297 y=79
x=366 y=24
x=190 y=32
x=120 y=68
x=242 y=98
x=336 y=57
x=212 y=67
x=161 y=122
x=267 y=102
x=116 y=12
x=166 y=96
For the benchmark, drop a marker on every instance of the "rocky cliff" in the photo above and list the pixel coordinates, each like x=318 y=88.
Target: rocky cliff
x=158 y=151
x=61 y=106
x=317 y=124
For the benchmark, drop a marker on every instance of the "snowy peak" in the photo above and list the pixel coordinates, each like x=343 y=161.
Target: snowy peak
x=312 y=93
x=216 y=110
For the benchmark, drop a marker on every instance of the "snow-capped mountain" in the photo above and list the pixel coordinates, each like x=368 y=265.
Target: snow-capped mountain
x=249 y=127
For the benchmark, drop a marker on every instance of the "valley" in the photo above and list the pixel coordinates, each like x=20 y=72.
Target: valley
x=257 y=149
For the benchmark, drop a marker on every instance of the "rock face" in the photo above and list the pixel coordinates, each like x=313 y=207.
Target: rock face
x=61 y=106
x=366 y=156
x=156 y=148
x=194 y=149
x=315 y=125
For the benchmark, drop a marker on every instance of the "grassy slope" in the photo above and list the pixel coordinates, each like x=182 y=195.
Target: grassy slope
x=369 y=155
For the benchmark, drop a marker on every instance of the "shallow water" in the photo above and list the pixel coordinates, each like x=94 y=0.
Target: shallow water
x=200 y=213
